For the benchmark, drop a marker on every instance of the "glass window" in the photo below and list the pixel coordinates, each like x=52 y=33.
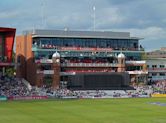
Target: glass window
x=154 y=74
x=162 y=66
x=1 y=45
x=162 y=74
x=116 y=44
x=154 y=66
x=45 y=67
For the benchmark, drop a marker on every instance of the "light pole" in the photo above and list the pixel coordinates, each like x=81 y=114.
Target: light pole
x=94 y=21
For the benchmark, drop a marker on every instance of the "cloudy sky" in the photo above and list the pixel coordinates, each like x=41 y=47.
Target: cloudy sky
x=142 y=18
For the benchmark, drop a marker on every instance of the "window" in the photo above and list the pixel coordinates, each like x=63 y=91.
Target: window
x=1 y=46
x=154 y=74
x=162 y=66
x=18 y=59
x=162 y=74
x=154 y=66
x=45 y=67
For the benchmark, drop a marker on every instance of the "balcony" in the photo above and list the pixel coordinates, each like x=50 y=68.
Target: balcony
x=157 y=69
x=38 y=48
x=49 y=47
x=135 y=62
x=158 y=78
x=73 y=72
x=89 y=65
x=137 y=72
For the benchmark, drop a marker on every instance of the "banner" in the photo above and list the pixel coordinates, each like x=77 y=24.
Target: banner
x=28 y=97
x=158 y=95
x=86 y=49
x=3 y=98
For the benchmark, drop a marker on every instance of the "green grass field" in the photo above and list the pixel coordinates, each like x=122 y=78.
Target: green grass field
x=134 y=110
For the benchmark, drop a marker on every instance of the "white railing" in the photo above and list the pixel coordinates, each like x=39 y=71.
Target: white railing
x=138 y=72
x=136 y=62
x=156 y=78
x=26 y=83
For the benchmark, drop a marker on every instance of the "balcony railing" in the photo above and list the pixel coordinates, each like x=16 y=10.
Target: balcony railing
x=138 y=72
x=69 y=48
x=89 y=65
x=157 y=69
x=136 y=62
x=73 y=72
x=158 y=78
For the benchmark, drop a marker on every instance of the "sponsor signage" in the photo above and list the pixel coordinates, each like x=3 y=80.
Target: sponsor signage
x=28 y=97
x=6 y=64
x=158 y=95
x=3 y=98
x=85 y=49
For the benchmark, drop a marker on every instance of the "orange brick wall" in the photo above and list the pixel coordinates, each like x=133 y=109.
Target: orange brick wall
x=31 y=66
x=27 y=68
x=20 y=54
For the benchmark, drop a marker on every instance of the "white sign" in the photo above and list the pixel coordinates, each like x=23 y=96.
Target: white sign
x=138 y=72
x=45 y=72
x=48 y=71
x=43 y=61
x=135 y=62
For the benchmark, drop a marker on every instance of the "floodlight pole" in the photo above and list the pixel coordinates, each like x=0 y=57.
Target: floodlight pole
x=94 y=21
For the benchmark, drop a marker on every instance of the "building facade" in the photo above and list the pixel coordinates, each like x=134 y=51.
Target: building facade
x=79 y=52
x=7 y=36
x=156 y=63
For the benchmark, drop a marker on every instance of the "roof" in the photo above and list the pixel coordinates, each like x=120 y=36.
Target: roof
x=80 y=34
x=121 y=55
x=56 y=55
x=5 y=29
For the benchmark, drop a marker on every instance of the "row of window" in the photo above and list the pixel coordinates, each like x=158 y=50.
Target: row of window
x=84 y=42
x=157 y=74
x=133 y=68
x=157 y=53
x=156 y=66
x=48 y=54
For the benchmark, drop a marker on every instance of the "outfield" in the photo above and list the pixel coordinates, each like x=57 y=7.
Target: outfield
x=133 y=110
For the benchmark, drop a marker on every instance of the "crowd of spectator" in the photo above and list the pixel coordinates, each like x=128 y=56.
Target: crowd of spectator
x=9 y=86
x=159 y=86
x=12 y=87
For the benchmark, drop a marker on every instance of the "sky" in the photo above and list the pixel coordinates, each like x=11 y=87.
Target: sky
x=142 y=18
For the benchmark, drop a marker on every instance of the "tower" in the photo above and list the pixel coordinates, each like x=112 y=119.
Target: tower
x=121 y=62
x=56 y=69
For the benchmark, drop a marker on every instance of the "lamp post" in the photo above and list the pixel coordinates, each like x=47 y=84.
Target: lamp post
x=94 y=15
